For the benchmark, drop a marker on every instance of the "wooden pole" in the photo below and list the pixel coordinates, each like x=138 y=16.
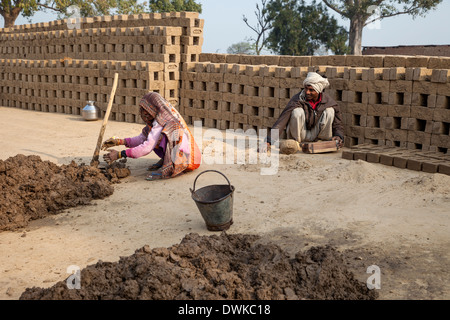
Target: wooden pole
x=95 y=158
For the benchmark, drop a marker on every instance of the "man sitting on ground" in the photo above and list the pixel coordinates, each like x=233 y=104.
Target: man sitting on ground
x=311 y=114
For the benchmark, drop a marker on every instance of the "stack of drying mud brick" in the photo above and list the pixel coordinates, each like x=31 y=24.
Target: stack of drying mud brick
x=392 y=103
x=64 y=86
x=147 y=51
x=386 y=100
x=234 y=95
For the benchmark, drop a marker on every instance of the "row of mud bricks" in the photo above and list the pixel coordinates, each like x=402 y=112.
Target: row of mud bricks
x=398 y=106
x=65 y=86
x=426 y=161
x=164 y=39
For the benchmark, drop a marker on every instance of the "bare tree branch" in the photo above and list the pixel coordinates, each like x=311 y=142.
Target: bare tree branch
x=335 y=8
x=49 y=7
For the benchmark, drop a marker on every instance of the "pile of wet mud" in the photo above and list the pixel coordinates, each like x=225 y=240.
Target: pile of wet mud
x=116 y=170
x=33 y=189
x=225 y=266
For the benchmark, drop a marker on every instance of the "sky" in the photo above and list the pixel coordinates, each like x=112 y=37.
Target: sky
x=224 y=26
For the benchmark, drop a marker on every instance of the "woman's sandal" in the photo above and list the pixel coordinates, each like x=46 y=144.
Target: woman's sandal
x=154 y=176
x=155 y=166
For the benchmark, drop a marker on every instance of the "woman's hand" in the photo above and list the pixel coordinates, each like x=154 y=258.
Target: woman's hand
x=112 y=142
x=111 y=157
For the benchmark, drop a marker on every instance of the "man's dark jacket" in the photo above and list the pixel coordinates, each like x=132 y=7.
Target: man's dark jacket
x=312 y=116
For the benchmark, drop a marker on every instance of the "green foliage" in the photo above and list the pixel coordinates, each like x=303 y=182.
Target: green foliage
x=386 y=8
x=175 y=5
x=11 y=9
x=300 y=29
x=243 y=47
x=363 y=12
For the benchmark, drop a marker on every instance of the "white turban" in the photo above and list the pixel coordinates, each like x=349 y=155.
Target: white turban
x=316 y=81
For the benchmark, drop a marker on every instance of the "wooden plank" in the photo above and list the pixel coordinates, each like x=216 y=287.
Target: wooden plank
x=319 y=147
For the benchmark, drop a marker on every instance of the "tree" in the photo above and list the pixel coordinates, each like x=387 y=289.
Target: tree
x=11 y=9
x=363 y=12
x=175 y=5
x=300 y=29
x=262 y=26
x=243 y=47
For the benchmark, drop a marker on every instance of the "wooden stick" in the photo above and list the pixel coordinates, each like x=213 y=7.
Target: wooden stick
x=95 y=161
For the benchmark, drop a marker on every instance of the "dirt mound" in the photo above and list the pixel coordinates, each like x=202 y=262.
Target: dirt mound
x=212 y=268
x=32 y=189
x=116 y=171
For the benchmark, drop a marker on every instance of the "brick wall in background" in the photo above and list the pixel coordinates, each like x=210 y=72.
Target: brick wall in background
x=429 y=50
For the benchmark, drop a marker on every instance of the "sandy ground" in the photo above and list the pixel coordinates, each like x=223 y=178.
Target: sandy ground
x=395 y=219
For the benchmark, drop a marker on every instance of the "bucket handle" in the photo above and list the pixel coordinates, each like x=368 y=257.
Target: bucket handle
x=192 y=191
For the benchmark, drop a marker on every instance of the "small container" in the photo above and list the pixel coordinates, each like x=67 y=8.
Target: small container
x=90 y=112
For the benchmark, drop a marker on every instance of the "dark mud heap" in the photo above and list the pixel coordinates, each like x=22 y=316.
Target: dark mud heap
x=212 y=268
x=32 y=189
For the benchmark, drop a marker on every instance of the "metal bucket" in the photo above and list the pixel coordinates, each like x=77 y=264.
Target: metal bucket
x=215 y=203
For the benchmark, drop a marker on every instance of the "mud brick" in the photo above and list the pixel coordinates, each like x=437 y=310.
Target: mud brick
x=299 y=72
x=378 y=98
x=240 y=118
x=375 y=74
x=378 y=86
x=268 y=122
x=373 y=61
x=414 y=163
x=355 y=131
x=396 y=135
x=425 y=87
x=387 y=158
x=424 y=100
x=430 y=166
x=373 y=156
x=441 y=76
x=400 y=86
x=443 y=89
x=444 y=168
x=440 y=140
x=400 y=161
x=398 y=73
x=422 y=113
x=357 y=85
x=422 y=74
x=421 y=138
x=333 y=73
x=354 y=61
x=400 y=98
x=440 y=128
x=403 y=111
x=359 y=155
x=439 y=63
x=255 y=121
x=443 y=102
x=355 y=73
x=395 y=61
x=380 y=110
x=374 y=133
